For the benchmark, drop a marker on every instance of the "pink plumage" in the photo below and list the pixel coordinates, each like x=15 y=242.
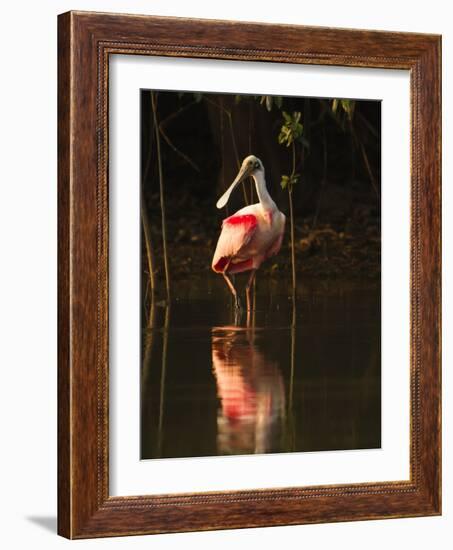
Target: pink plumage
x=236 y=233
x=250 y=236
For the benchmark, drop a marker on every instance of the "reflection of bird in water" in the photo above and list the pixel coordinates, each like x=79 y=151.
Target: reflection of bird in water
x=251 y=392
x=252 y=234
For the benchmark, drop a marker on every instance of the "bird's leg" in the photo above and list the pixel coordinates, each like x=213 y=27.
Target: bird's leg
x=238 y=315
x=248 y=287
x=237 y=303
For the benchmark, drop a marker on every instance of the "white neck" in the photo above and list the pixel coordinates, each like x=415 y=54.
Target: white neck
x=263 y=195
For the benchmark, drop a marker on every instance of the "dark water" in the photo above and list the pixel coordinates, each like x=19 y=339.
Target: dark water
x=280 y=381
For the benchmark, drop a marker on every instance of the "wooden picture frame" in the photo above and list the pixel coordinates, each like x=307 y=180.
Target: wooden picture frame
x=85 y=42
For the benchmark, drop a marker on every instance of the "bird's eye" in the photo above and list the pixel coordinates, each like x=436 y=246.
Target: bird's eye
x=257 y=165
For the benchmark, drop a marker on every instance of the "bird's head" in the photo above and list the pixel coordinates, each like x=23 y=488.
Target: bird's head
x=250 y=166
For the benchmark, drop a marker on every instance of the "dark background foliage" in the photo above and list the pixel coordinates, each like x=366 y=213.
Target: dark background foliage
x=204 y=138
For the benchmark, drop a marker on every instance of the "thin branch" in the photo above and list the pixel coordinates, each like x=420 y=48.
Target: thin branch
x=222 y=146
x=292 y=372
x=233 y=140
x=160 y=433
x=252 y=183
x=291 y=215
x=173 y=115
x=178 y=151
x=324 y=177
x=365 y=159
x=148 y=243
x=162 y=199
x=148 y=160
x=368 y=124
x=368 y=167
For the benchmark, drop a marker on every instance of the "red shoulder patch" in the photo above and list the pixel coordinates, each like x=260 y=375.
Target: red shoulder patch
x=248 y=220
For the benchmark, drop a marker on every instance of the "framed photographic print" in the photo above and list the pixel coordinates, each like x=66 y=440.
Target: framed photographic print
x=249 y=275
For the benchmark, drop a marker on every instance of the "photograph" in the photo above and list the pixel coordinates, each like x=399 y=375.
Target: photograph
x=260 y=274
x=249 y=249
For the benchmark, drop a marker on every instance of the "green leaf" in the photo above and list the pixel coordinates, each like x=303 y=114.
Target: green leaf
x=289 y=181
x=285 y=137
x=237 y=99
x=348 y=106
x=298 y=130
x=278 y=100
x=287 y=117
x=269 y=103
x=284 y=182
x=291 y=129
x=295 y=178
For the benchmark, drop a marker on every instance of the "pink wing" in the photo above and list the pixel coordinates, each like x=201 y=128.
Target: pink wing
x=236 y=233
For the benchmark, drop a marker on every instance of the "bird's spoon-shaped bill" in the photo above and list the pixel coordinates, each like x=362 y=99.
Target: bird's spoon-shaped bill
x=243 y=173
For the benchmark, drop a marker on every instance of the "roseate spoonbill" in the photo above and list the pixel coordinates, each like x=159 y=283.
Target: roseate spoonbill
x=251 y=235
